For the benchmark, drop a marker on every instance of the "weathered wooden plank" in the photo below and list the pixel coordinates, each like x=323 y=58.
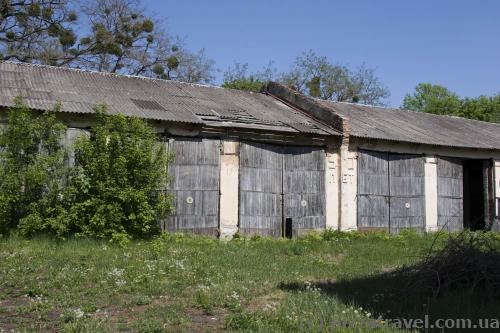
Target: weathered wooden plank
x=194 y=185
x=450 y=194
x=373 y=190
x=407 y=191
x=261 y=186
x=304 y=188
x=304 y=181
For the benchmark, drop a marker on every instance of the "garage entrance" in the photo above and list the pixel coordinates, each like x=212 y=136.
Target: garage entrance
x=479 y=205
x=194 y=185
x=464 y=194
x=282 y=190
x=390 y=191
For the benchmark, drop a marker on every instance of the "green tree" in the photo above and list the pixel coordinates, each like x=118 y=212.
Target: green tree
x=32 y=165
x=318 y=77
x=114 y=36
x=123 y=39
x=483 y=108
x=113 y=190
x=432 y=98
x=237 y=77
x=37 y=30
x=437 y=99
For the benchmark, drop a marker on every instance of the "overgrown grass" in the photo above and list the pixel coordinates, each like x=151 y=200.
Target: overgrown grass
x=185 y=283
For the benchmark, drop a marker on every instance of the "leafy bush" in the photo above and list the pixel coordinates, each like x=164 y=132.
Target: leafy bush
x=32 y=165
x=113 y=191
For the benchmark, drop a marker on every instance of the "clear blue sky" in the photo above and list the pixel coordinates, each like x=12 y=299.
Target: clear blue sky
x=452 y=43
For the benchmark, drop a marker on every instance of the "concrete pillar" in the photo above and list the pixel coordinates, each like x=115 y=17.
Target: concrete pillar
x=348 y=189
x=229 y=177
x=431 y=194
x=497 y=188
x=332 y=187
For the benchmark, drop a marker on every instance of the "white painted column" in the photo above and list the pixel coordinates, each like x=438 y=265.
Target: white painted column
x=348 y=189
x=229 y=179
x=497 y=188
x=332 y=188
x=431 y=194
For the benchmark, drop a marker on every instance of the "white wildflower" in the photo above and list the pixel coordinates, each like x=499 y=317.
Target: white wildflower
x=120 y=282
x=116 y=272
x=79 y=313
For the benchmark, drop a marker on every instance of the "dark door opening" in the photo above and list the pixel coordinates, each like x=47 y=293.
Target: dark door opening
x=288 y=228
x=474 y=195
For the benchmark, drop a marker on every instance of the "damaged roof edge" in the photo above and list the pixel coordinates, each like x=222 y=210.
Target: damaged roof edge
x=308 y=105
x=79 y=91
x=394 y=125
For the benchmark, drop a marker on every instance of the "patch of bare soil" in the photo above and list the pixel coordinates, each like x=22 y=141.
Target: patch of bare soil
x=205 y=322
x=8 y=311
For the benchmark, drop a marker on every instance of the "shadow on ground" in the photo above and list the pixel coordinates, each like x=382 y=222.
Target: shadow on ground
x=387 y=295
x=460 y=280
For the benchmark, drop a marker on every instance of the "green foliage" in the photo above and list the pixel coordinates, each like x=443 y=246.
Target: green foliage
x=122 y=38
x=237 y=77
x=204 y=301
x=32 y=165
x=485 y=108
x=114 y=36
x=36 y=30
x=315 y=76
x=432 y=98
x=113 y=190
x=437 y=99
x=314 y=86
x=318 y=77
x=247 y=84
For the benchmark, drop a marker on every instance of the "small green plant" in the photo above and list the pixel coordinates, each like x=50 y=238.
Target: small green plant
x=243 y=320
x=204 y=301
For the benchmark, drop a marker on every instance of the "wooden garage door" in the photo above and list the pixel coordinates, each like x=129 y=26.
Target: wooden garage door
x=304 y=188
x=373 y=191
x=390 y=191
x=260 y=210
x=407 y=192
x=194 y=185
x=450 y=194
x=278 y=183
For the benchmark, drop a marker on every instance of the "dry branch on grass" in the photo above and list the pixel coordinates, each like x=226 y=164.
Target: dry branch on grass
x=468 y=262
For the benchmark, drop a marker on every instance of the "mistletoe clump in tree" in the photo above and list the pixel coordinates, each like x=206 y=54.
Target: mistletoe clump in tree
x=38 y=31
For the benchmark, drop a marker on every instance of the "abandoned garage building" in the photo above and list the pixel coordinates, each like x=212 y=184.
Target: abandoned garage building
x=278 y=163
x=402 y=169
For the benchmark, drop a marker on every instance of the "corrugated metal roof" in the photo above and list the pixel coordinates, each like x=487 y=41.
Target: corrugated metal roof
x=416 y=127
x=80 y=91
